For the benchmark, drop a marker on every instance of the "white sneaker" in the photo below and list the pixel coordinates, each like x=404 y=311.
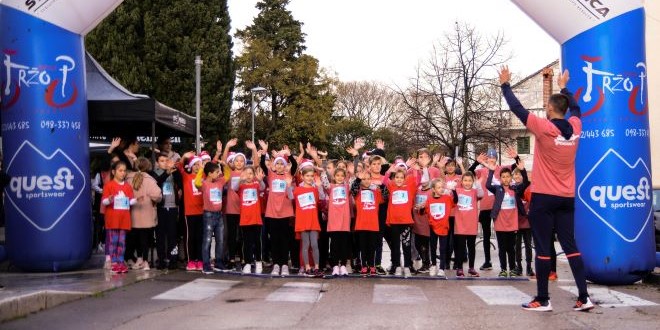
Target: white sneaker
x=433 y=271
x=398 y=271
x=276 y=270
x=335 y=271
x=343 y=271
x=138 y=265
x=581 y=307
x=259 y=268
x=247 y=269
x=285 y=270
x=348 y=268
x=441 y=273
x=406 y=272
x=145 y=265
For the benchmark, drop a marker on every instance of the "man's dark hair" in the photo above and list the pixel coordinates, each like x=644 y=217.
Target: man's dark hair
x=559 y=102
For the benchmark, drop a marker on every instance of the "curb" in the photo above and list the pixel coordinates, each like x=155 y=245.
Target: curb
x=19 y=306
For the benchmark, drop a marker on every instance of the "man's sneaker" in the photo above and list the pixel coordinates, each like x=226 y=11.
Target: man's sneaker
x=538 y=306
x=343 y=271
x=335 y=271
x=285 y=270
x=459 y=273
x=486 y=266
x=364 y=271
x=191 y=266
x=207 y=271
x=503 y=273
x=441 y=273
x=473 y=272
x=247 y=269
x=258 y=267
x=398 y=271
x=583 y=305
x=406 y=272
x=433 y=271
x=373 y=271
x=199 y=265
x=275 y=271
x=552 y=276
x=380 y=270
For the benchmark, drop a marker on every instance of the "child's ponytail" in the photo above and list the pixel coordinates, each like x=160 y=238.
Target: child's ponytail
x=143 y=165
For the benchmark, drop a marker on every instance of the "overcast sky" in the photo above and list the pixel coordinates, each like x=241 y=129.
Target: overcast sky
x=384 y=40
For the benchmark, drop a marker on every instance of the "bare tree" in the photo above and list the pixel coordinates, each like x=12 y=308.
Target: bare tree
x=452 y=100
x=371 y=103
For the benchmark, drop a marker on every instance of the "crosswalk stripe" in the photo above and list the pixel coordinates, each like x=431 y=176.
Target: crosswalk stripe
x=199 y=289
x=605 y=297
x=500 y=294
x=398 y=294
x=297 y=292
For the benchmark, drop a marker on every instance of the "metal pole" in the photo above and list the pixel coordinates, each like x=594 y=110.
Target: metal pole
x=252 y=109
x=198 y=78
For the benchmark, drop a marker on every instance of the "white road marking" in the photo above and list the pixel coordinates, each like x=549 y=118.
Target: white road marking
x=199 y=289
x=398 y=294
x=605 y=297
x=500 y=294
x=297 y=292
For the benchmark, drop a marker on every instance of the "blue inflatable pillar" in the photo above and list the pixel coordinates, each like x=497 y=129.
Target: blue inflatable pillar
x=45 y=133
x=602 y=45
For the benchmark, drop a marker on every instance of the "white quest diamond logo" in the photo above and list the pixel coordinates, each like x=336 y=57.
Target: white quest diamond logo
x=43 y=198
x=623 y=206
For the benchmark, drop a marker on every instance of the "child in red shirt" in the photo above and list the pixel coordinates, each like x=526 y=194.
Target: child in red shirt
x=213 y=225
x=438 y=207
x=399 y=217
x=524 y=228
x=339 y=220
x=117 y=198
x=306 y=197
x=250 y=222
x=368 y=197
x=193 y=207
x=466 y=223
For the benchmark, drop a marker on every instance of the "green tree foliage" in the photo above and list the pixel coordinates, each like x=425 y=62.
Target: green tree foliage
x=298 y=104
x=149 y=46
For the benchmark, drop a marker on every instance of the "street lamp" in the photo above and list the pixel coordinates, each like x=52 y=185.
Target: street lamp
x=253 y=107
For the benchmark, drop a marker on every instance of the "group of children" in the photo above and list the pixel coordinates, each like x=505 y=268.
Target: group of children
x=307 y=212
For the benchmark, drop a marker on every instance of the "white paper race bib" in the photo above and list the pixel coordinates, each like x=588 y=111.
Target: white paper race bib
x=367 y=196
x=121 y=203
x=306 y=199
x=168 y=189
x=339 y=193
x=509 y=202
x=250 y=195
x=215 y=195
x=421 y=198
x=464 y=202
x=438 y=210
x=399 y=197
x=278 y=186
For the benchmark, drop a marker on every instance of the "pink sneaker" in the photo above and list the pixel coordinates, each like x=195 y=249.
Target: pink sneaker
x=115 y=267
x=199 y=265
x=191 y=266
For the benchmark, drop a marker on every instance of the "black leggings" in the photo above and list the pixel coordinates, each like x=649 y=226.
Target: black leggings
x=233 y=246
x=368 y=245
x=526 y=236
x=401 y=236
x=193 y=236
x=486 y=222
x=279 y=240
x=339 y=247
x=449 y=244
x=251 y=243
x=506 y=241
x=144 y=239
x=459 y=247
x=422 y=247
x=166 y=233
x=324 y=242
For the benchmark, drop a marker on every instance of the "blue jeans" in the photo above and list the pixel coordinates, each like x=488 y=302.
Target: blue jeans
x=213 y=225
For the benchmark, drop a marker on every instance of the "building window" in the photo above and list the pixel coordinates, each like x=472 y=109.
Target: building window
x=523 y=145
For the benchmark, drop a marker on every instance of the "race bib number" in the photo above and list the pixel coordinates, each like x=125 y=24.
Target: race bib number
x=465 y=202
x=400 y=197
x=121 y=203
x=509 y=202
x=367 y=196
x=339 y=193
x=194 y=188
x=438 y=210
x=168 y=189
x=306 y=199
x=421 y=198
x=215 y=195
x=278 y=186
x=250 y=195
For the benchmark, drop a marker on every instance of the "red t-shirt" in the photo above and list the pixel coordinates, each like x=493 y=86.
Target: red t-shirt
x=212 y=194
x=523 y=220
x=339 y=212
x=233 y=203
x=438 y=210
x=307 y=217
x=507 y=219
x=467 y=212
x=250 y=204
x=118 y=213
x=279 y=205
x=366 y=205
x=554 y=157
x=399 y=208
x=193 y=202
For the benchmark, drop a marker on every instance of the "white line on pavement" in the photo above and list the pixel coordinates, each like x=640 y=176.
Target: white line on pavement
x=605 y=297
x=398 y=294
x=297 y=292
x=500 y=294
x=199 y=289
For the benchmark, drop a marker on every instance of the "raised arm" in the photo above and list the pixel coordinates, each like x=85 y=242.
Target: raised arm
x=573 y=106
x=511 y=99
